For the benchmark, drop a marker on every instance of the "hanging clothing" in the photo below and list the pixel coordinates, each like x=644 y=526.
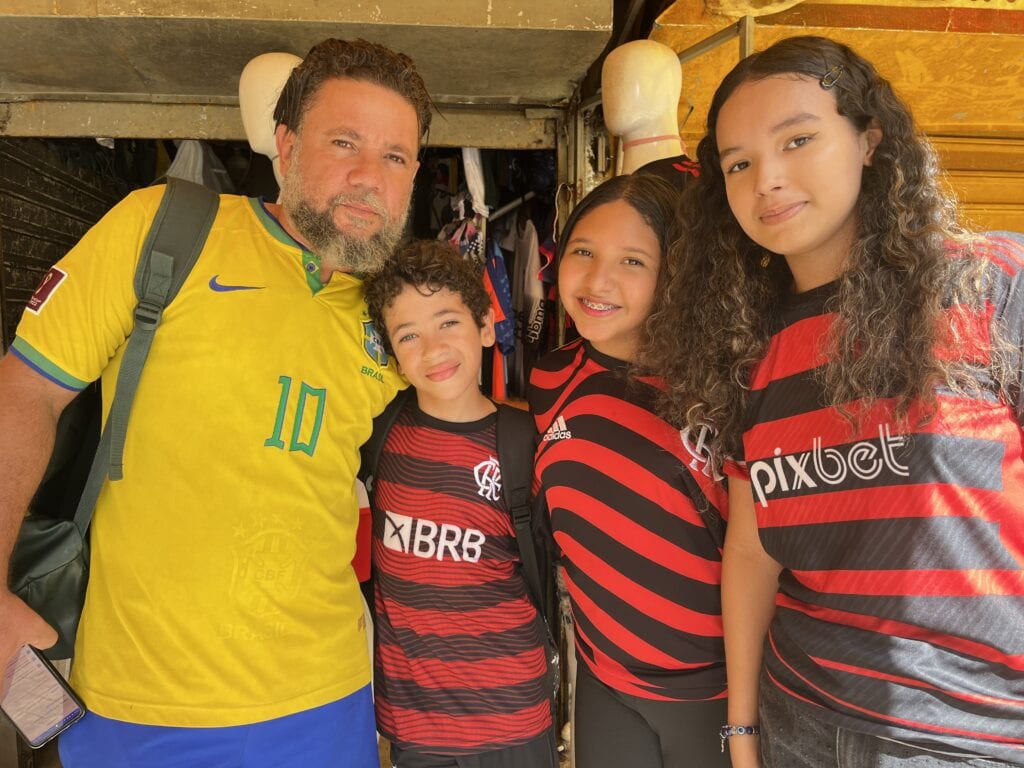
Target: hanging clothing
x=196 y=161
x=497 y=285
x=527 y=296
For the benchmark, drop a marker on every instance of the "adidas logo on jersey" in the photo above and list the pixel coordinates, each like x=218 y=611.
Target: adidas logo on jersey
x=557 y=431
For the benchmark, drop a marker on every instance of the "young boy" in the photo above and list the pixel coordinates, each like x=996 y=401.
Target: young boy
x=461 y=678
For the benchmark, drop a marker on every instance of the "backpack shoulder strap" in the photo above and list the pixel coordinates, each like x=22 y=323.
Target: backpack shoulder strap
x=516 y=442
x=172 y=246
x=372 y=448
x=515 y=455
x=174 y=241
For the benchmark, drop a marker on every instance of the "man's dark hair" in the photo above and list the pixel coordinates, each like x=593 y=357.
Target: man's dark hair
x=358 y=60
x=428 y=266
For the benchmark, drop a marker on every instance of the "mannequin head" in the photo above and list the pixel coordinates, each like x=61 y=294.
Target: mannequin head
x=258 y=90
x=640 y=86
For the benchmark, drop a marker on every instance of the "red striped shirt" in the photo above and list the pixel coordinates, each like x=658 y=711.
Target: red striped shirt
x=625 y=491
x=901 y=604
x=460 y=663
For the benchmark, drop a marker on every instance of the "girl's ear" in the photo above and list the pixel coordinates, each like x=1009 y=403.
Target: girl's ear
x=872 y=138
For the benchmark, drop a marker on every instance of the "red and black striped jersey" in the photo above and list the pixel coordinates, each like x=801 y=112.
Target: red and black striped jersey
x=901 y=604
x=626 y=493
x=460 y=664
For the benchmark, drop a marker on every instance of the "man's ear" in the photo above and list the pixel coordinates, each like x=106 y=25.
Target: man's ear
x=872 y=138
x=285 y=139
x=487 y=337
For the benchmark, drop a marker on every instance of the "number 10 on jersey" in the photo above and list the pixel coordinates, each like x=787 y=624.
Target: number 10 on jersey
x=307 y=416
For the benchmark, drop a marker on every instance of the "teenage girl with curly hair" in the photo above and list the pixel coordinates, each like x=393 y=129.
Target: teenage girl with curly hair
x=859 y=353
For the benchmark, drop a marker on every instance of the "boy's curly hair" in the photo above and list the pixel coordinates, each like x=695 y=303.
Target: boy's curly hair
x=428 y=266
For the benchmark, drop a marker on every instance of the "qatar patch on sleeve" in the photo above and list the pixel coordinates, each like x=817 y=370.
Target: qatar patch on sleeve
x=51 y=282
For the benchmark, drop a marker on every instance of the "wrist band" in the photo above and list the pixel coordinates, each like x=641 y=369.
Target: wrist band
x=728 y=731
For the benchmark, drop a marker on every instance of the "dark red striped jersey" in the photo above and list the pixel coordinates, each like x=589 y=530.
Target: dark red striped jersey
x=460 y=663
x=901 y=606
x=626 y=493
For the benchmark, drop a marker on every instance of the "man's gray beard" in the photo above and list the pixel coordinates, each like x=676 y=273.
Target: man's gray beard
x=337 y=249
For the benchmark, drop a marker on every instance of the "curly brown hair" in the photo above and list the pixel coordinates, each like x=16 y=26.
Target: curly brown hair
x=428 y=266
x=358 y=60
x=723 y=304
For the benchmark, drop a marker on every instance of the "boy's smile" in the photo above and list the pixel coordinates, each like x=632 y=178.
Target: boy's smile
x=439 y=347
x=442 y=372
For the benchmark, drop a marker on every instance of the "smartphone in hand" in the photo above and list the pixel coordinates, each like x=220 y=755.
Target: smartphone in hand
x=36 y=698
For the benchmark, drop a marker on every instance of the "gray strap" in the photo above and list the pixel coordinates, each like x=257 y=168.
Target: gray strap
x=179 y=229
x=148 y=313
x=172 y=246
x=93 y=484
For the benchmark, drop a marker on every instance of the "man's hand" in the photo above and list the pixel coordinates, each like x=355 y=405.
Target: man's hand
x=20 y=625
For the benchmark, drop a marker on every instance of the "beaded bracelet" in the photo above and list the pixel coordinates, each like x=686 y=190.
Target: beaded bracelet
x=727 y=731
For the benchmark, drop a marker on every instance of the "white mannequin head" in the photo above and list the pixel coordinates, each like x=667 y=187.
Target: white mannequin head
x=640 y=86
x=258 y=90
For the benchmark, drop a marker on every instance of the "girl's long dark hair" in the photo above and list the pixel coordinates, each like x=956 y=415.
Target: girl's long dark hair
x=723 y=303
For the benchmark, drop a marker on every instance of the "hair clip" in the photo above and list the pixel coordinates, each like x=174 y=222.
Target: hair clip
x=832 y=76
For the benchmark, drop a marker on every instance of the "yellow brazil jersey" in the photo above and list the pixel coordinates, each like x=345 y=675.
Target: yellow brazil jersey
x=221 y=589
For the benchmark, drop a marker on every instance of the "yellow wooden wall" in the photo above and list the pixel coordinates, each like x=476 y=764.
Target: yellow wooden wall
x=958 y=63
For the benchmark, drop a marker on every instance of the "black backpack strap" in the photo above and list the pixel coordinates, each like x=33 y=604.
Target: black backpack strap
x=516 y=444
x=372 y=448
x=516 y=432
x=174 y=242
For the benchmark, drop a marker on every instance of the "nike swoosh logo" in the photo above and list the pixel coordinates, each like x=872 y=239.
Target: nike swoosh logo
x=222 y=288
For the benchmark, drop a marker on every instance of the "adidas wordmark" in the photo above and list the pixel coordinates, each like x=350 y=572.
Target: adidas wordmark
x=557 y=431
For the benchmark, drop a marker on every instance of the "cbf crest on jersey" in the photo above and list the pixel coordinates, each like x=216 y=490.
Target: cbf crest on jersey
x=373 y=346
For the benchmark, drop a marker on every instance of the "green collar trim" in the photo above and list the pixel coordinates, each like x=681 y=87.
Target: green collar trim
x=309 y=261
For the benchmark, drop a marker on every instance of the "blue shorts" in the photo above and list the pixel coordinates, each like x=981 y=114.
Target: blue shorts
x=342 y=733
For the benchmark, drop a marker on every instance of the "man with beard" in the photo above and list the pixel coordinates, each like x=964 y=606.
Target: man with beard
x=223 y=623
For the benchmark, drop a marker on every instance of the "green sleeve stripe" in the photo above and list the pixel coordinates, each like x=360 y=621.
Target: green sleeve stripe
x=35 y=360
